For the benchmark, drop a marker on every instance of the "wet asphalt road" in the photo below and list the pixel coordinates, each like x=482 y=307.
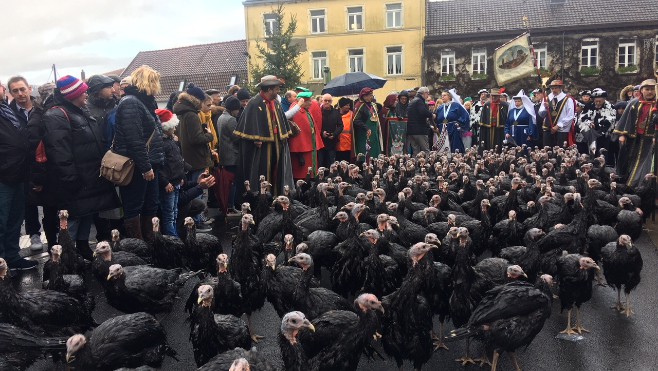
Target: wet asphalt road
x=614 y=343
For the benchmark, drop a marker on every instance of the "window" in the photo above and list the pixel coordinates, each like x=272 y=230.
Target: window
x=479 y=61
x=589 y=53
x=355 y=18
x=271 y=24
x=356 y=60
x=541 y=57
x=318 y=21
x=319 y=63
x=393 y=15
x=627 y=49
x=394 y=60
x=447 y=62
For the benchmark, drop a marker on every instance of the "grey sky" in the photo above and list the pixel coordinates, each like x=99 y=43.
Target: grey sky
x=104 y=35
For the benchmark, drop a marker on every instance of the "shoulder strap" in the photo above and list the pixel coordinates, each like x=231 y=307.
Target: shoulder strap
x=64 y=112
x=148 y=142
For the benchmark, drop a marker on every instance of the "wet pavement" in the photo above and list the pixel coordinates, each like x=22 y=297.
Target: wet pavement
x=614 y=343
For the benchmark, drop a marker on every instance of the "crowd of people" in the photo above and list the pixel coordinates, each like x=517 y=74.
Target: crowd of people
x=205 y=148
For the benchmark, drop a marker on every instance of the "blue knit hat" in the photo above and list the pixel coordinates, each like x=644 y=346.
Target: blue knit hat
x=71 y=87
x=196 y=92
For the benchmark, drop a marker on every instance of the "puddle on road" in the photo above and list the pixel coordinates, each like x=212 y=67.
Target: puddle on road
x=573 y=338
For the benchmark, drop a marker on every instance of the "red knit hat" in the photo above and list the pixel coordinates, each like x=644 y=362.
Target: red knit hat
x=71 y=87
x=168 y=119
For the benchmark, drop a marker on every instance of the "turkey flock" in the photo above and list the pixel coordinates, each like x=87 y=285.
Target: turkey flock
x=359 y=261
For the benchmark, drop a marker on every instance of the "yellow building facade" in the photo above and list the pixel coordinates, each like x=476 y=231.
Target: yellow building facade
x=380 y=37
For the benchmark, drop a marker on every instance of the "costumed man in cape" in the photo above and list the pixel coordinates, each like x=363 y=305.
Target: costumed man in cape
x=604 y=116
x=560 y=111
x=476 y=112
x=492 y=121
x=452 y=117
x=264 y=133
x=305 y=146
x=520 y=127
x=636 y=133
x=367 y=133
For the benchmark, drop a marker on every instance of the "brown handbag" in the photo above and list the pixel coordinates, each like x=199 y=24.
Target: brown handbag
x=119 y=169
x=294 y=128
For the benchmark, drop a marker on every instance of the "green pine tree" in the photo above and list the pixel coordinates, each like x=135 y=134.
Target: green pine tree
x=279 y=55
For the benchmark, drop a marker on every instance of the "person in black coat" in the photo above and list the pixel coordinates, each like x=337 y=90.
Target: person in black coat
x=13 y=174
x=74 y=148
x=332 y=126
x=138 y=136
x=172 y=173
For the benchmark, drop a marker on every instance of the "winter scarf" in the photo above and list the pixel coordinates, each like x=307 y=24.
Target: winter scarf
x=206 y=118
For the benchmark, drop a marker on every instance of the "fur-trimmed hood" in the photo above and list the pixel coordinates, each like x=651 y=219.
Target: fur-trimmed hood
x=186 y=103
x=217 y=110
x=624 y=91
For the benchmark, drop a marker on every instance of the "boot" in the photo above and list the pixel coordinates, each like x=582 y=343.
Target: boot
x=147 y=227
x=83 y=248
x=133 y=227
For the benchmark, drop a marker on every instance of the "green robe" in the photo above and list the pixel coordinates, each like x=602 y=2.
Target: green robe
x=363 y=121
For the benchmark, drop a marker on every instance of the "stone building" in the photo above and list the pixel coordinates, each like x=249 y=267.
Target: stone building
x=607 y=44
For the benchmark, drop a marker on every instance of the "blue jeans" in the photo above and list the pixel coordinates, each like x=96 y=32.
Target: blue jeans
x=12 y=212
x=193 y=176
x=169 y=211
x=80 y=228
x=140 y=197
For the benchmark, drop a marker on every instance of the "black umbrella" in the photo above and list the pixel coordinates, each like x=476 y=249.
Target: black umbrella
x=351 y=83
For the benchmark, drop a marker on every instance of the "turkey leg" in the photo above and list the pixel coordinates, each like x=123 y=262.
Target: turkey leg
x=494 y=362
x=619 y=306
x=466 y=359
x=515 y=361
x=255 y=338
x=628 y=311
x=568 y=330
x=438 y=341
x=579 y=327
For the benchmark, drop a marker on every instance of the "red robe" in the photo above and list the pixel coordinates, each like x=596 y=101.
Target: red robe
x=303 y=145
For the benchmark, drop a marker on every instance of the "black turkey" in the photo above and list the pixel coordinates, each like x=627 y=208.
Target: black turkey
x=622 y=264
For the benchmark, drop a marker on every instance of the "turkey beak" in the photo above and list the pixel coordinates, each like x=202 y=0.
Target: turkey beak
x=109 y=277
x=525 y=275
x=252 y=222
x=199 y=300
x=597 y=267
x=309 y=325
x=379 y=307
x=69 y=357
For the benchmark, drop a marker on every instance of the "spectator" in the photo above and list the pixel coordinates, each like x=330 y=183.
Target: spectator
x=332 y=126
x=344 y=146
x=125 y=82
x=189 y=203
x=41 y=192
x=205 y=115
x=403 y=105
x=14 y=150
x=172 y=173
x=243 y=96
x=232 y=90
x=417 y=127
x=195 y=137
x=116 y=87
x=139 y=136
x=228 y=153
x=215 y=105
x=74 y=148
x=23 y=105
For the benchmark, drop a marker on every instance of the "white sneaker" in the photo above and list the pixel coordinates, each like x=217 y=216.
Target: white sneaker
x=35 y=243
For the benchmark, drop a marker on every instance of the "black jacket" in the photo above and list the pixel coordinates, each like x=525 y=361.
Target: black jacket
x=136 y=121
x=173 y=169
x=99 y=110
x=417 y=115
x=332 y=122
x=74 y=148
x=39 y=171
x=14 y=151
x=194 y=140
x=20 y=116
